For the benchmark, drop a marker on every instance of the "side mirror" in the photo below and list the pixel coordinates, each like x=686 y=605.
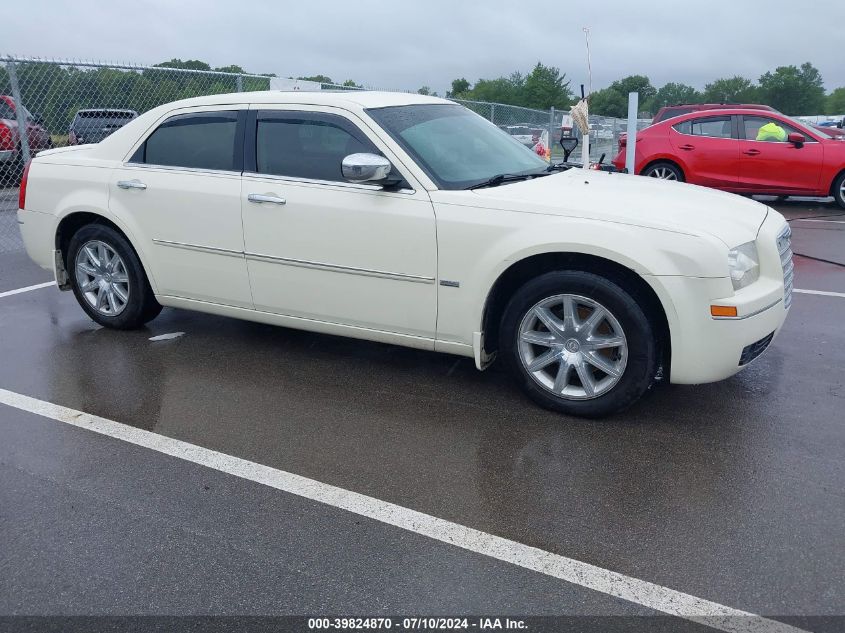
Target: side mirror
x=361 y=168
x=796 y=139
x=568 y=143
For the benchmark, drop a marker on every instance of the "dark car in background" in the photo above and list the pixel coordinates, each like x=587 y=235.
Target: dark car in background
x=93 y=125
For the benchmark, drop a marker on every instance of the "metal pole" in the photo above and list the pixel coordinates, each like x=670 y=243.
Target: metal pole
x=492 y=113
x=631 y=150
x=551 y=130
x=239 y=82
x=20 y=113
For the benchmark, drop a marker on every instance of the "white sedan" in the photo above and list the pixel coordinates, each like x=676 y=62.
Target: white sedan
x=410 y=220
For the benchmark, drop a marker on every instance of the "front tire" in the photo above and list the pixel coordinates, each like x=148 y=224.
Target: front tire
x=108 y=280
x=839 y=190
x=664 y=171
x=579 y=344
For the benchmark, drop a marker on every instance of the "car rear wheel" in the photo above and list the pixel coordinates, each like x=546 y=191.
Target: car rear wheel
x=664 y=171
x=108 y=280
x=579 y=344
x=839 y=190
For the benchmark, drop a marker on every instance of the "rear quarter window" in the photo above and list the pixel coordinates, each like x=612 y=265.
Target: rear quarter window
x=203 y=140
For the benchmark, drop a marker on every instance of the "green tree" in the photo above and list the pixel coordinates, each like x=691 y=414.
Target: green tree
x=546 y=87
x=233 y=68
x=188 y=64
x=425 y=90
x=318 y=78
x=672 y=94
x=731 y=90
x=502 y=90
x=609 y=102
x=349 y=83
x=794 y=90
x=835 y=102
x=459 y=87
x=635 y=83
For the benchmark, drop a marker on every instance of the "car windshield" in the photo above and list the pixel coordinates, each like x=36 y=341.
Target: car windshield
x=457 y=148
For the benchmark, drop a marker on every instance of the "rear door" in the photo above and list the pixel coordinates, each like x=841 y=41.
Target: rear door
x=771 y=165
x=708 y=148
x=180 y=196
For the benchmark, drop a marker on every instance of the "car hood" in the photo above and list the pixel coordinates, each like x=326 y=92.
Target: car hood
x=635 y=200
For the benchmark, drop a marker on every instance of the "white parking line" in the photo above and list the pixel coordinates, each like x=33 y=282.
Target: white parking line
x=641 y=592
x=18 y=291
x=818 y=220
x=821 y=293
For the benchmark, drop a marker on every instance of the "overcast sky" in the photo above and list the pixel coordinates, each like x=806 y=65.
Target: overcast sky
x=410 y=43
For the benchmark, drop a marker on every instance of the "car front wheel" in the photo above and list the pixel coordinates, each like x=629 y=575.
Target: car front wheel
x=578 y=343
x=108 y=280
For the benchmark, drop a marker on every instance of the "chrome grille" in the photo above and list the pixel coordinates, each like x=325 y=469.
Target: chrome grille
x=785 y=250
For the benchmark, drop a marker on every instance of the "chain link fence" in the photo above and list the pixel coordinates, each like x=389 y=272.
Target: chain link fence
x=64 y=102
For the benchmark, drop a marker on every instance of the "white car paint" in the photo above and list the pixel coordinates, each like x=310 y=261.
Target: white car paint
x=356 y=260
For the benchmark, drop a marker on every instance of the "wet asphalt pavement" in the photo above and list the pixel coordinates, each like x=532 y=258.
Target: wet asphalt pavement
x=733 y=492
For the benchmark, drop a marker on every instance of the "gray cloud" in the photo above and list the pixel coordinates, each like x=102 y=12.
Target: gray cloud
x=407 y=44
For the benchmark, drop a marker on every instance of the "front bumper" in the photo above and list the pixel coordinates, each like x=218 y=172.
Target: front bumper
x=707 y=349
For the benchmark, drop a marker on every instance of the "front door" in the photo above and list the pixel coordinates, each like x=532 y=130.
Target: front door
x=321 y=248
x=180 y=196
x=771 y=164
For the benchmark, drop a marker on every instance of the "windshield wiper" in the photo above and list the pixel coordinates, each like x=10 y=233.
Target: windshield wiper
x=499 y=179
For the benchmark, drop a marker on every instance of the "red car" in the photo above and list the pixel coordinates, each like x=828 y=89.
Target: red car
x=10 y=145
x=720 y=149
x=668 y=112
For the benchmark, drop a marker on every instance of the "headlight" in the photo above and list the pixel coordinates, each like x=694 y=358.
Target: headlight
x=744 y=265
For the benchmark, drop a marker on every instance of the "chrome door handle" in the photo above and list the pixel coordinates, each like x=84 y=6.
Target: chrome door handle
x=260 y=197
x=131 y=184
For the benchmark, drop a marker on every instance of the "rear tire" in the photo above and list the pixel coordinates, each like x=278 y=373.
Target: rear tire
x=838 y=190
x=664 y=170
x=108 y=279
x=591 y=359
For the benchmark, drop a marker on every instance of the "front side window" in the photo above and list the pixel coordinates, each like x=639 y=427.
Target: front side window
x=455 y=147
x=203 y=140
x=768 y=130
x=306 y=145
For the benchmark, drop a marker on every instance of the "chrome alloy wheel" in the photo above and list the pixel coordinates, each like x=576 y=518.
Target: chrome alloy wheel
x=102 y=278
x=572 y=346
x=664 y=173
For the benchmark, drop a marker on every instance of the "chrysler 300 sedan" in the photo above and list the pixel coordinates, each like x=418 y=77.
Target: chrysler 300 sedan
x=410 y=220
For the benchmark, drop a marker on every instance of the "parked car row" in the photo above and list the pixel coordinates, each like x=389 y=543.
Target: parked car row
x=88 y=126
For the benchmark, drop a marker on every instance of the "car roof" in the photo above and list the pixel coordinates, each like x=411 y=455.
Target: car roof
x=360 y=98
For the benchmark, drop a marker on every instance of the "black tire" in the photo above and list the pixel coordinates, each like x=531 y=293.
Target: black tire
x=141 y=305
x=655 y=168
x=838 y=190
x=642 y=346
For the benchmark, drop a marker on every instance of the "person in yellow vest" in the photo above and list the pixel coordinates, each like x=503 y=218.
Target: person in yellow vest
x=771 y=132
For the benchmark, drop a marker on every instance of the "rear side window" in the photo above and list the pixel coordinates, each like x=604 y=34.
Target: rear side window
x=306 y=145
x=713 y=127
x=204 y=140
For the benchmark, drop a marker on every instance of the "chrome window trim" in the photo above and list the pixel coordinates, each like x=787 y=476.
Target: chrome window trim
x=197 y=247
x=191 y=170
x=332 y=183
x=351 y=270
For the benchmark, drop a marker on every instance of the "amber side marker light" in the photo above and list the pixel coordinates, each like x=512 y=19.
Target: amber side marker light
x=723 y=311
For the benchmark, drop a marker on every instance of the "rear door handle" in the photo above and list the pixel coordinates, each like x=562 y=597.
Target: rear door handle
x=131 y=184
x=752 y=152
x=260 y=197
x=687 y=147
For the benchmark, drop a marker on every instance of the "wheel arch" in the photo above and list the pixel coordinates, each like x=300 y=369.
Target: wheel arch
x=836 y=176
x=72 y=222
x=665 y=159
x=523 y=270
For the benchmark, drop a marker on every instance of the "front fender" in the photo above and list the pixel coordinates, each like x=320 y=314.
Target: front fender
x=476 y=253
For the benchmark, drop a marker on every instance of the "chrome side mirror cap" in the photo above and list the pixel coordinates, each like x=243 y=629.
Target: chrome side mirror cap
x=363 y=168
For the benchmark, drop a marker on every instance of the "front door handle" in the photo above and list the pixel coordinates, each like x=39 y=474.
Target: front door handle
x=752 y=152
x=260 y=197
x=131 y=184
x=687 y=147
